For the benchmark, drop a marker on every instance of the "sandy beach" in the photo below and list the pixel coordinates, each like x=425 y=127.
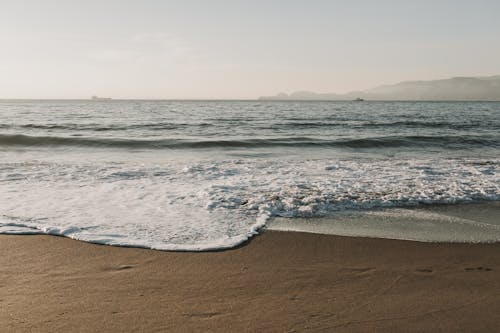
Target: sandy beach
x=280 y=281
x=238 y=166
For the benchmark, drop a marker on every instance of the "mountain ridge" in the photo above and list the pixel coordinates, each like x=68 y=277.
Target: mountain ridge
x=460 y=88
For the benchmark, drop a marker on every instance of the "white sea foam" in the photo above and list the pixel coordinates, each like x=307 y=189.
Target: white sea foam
x=215 y=204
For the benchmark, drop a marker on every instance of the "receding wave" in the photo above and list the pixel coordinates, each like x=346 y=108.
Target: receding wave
x=451 y=142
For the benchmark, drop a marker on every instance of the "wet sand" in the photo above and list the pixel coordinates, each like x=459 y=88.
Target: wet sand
x=280 y=281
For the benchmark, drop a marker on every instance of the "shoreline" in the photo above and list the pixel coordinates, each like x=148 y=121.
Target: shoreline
x=278 y=281
x=471 y=222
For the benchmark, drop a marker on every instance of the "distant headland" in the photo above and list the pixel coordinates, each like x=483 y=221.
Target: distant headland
x=454 y=89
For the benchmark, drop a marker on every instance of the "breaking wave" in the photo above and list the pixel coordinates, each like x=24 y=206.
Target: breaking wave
x=450 y=142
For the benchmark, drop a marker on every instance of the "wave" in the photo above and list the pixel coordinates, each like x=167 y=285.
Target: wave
x=451 y=142
x=230 y=200
x=356 y=124
x=287 y=124
x=101 y=128
x=432 y=124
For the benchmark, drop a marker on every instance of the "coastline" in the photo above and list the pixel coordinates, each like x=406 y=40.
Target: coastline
x=279 y=281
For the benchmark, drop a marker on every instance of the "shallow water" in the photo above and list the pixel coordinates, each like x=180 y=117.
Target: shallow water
x=463 y=223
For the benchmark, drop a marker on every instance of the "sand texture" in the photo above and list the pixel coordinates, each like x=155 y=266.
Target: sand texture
x=279 y=282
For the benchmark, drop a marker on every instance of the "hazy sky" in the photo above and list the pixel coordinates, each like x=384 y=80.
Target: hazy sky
x=238 y=49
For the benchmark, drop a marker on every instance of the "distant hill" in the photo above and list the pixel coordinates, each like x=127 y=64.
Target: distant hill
x=455 y=89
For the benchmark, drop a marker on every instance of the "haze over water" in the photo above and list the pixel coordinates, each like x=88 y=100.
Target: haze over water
x=197 y=175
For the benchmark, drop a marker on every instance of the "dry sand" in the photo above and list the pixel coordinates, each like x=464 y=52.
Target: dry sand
x=280 y=281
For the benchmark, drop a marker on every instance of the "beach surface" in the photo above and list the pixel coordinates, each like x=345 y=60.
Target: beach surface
x=280 y=281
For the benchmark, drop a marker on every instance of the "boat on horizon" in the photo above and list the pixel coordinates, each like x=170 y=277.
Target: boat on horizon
x=97 y=98
x=359 y=100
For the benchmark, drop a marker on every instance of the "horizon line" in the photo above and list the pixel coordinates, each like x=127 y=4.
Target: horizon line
x=259 y=99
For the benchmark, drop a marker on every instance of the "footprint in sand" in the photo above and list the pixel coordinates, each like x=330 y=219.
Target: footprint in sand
x=424 y=270
x=480 y=268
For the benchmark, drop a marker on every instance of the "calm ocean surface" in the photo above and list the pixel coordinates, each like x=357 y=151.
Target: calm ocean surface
x=199 y=175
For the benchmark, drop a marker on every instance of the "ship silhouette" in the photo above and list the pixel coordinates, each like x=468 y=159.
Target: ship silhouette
x=97 y=98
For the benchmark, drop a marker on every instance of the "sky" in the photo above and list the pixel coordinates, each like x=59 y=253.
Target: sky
x=234 y=49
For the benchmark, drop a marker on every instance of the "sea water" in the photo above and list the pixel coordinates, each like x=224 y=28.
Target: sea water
x=202 y=175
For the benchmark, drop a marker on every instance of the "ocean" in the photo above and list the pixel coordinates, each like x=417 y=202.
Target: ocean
x=208 y=175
